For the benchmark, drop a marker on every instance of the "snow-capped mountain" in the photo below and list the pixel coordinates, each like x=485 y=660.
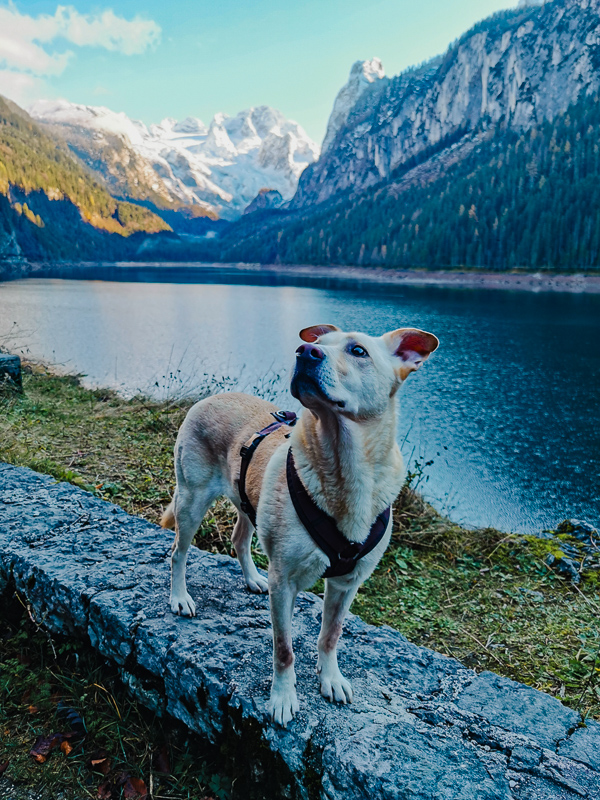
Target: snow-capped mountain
x=217 y=169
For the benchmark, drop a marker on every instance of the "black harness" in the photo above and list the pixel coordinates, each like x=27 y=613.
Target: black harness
x=342 y=554
x=281 y=418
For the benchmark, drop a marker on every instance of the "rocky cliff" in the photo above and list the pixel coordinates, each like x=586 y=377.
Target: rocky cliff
x=515 y=69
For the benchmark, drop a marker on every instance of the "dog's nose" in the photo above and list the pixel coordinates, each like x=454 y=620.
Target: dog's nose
x=310 y=352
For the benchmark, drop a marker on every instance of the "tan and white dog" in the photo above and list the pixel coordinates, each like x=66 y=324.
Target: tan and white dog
x=347 y=457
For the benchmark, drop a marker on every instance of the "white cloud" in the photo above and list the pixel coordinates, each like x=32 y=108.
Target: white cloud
x=109 y=31
x=25 y=40
x=20 y=86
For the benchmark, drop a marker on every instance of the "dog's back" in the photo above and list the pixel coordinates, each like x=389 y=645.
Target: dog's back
x=207 y=451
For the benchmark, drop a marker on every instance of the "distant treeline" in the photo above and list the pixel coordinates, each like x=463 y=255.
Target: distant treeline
x=530 y=201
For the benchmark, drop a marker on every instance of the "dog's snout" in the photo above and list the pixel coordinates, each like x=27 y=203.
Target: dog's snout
x=310 y=352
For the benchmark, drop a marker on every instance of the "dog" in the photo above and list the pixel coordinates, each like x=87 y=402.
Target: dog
x=348 y=463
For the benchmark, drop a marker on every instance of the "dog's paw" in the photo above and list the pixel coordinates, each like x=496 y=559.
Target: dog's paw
x=283 y=705
x=183 y=605
x=335 y=688
x=258 y=584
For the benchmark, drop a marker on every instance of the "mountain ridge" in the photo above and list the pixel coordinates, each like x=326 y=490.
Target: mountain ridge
x=214 y=170
x=518 y=67
x=509 y=183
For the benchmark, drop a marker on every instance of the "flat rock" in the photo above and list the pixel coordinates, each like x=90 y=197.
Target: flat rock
x=422 y=726
x=10 y=368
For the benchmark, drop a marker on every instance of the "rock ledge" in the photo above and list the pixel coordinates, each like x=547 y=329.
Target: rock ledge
x=422 y=726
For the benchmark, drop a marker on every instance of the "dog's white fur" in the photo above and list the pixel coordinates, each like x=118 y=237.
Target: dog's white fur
x=347 y=457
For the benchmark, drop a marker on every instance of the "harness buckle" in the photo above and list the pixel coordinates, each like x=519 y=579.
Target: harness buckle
x=286 y=417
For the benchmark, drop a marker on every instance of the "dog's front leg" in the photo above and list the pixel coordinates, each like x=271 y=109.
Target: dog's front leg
x=335 y=607
x=284 y=700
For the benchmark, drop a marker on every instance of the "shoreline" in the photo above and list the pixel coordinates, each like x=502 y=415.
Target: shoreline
x=326 y=277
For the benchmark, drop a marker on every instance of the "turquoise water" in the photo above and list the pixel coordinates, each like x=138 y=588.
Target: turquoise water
x=507 y=410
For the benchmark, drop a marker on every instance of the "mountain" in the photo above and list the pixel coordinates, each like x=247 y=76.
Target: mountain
x=514 y=200
x=214 y=171
x=50 y=205
x=265 y=200
x=362 y=75
x=486 y=157
x=515 y=69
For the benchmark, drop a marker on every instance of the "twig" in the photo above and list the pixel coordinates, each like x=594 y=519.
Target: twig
x=39 y=627
x=590 y=676
x=489 y=652
x=505 y=539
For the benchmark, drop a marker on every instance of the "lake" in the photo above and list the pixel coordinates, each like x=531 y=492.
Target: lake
x=507 y=410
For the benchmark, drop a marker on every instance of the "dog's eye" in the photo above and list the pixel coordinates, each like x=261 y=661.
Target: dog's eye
x=358 y=351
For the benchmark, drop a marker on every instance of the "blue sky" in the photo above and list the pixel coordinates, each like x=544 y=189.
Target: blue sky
x=178 y=58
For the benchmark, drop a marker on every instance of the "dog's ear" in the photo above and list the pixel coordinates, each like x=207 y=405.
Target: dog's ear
x=412 y=347
x=312 y=334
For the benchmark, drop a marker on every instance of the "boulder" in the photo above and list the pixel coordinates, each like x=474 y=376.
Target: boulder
x=10 y=370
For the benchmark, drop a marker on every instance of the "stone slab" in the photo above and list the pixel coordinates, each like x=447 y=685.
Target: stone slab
x=422 y=726
x=10 y=368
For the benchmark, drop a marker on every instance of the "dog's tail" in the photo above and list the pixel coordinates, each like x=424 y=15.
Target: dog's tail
x=168 y=518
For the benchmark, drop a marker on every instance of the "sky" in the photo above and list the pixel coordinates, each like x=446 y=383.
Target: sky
x=177 y=58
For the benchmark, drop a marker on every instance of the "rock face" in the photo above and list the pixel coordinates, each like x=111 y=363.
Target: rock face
x=265 y=200
x=10 y=370
x=218 y=169
x=517 y=68
x=362 y=75
x=422 y=725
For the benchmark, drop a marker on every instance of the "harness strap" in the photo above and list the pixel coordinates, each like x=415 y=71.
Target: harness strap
x=247 y=451
x=324 y=531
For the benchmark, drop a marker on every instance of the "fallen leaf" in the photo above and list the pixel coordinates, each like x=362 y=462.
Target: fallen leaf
x=32 y=709
x=135 y=788
x=73 y=717
x=65 y=747
x=100 y=762
x=3 y=767
x=43 y=747
x=45 y=744
x=105 y=791
x=162 y=760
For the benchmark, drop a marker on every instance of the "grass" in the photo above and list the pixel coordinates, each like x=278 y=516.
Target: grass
x=481 y=596
x=52 y=685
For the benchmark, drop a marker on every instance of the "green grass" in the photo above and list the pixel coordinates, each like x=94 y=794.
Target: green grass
x=481 y=596
x=43 y=680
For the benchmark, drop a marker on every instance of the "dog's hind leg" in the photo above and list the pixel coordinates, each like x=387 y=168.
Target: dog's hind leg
x=190 y=506
x=242 y=541
x=335 y=607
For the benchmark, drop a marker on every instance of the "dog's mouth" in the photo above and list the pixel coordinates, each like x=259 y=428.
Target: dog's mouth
x=304 y=387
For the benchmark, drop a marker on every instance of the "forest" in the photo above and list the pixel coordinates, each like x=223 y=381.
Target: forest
x=529 y=201
x=51 y=206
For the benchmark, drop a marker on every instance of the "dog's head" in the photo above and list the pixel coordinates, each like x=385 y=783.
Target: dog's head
x=354 y=374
